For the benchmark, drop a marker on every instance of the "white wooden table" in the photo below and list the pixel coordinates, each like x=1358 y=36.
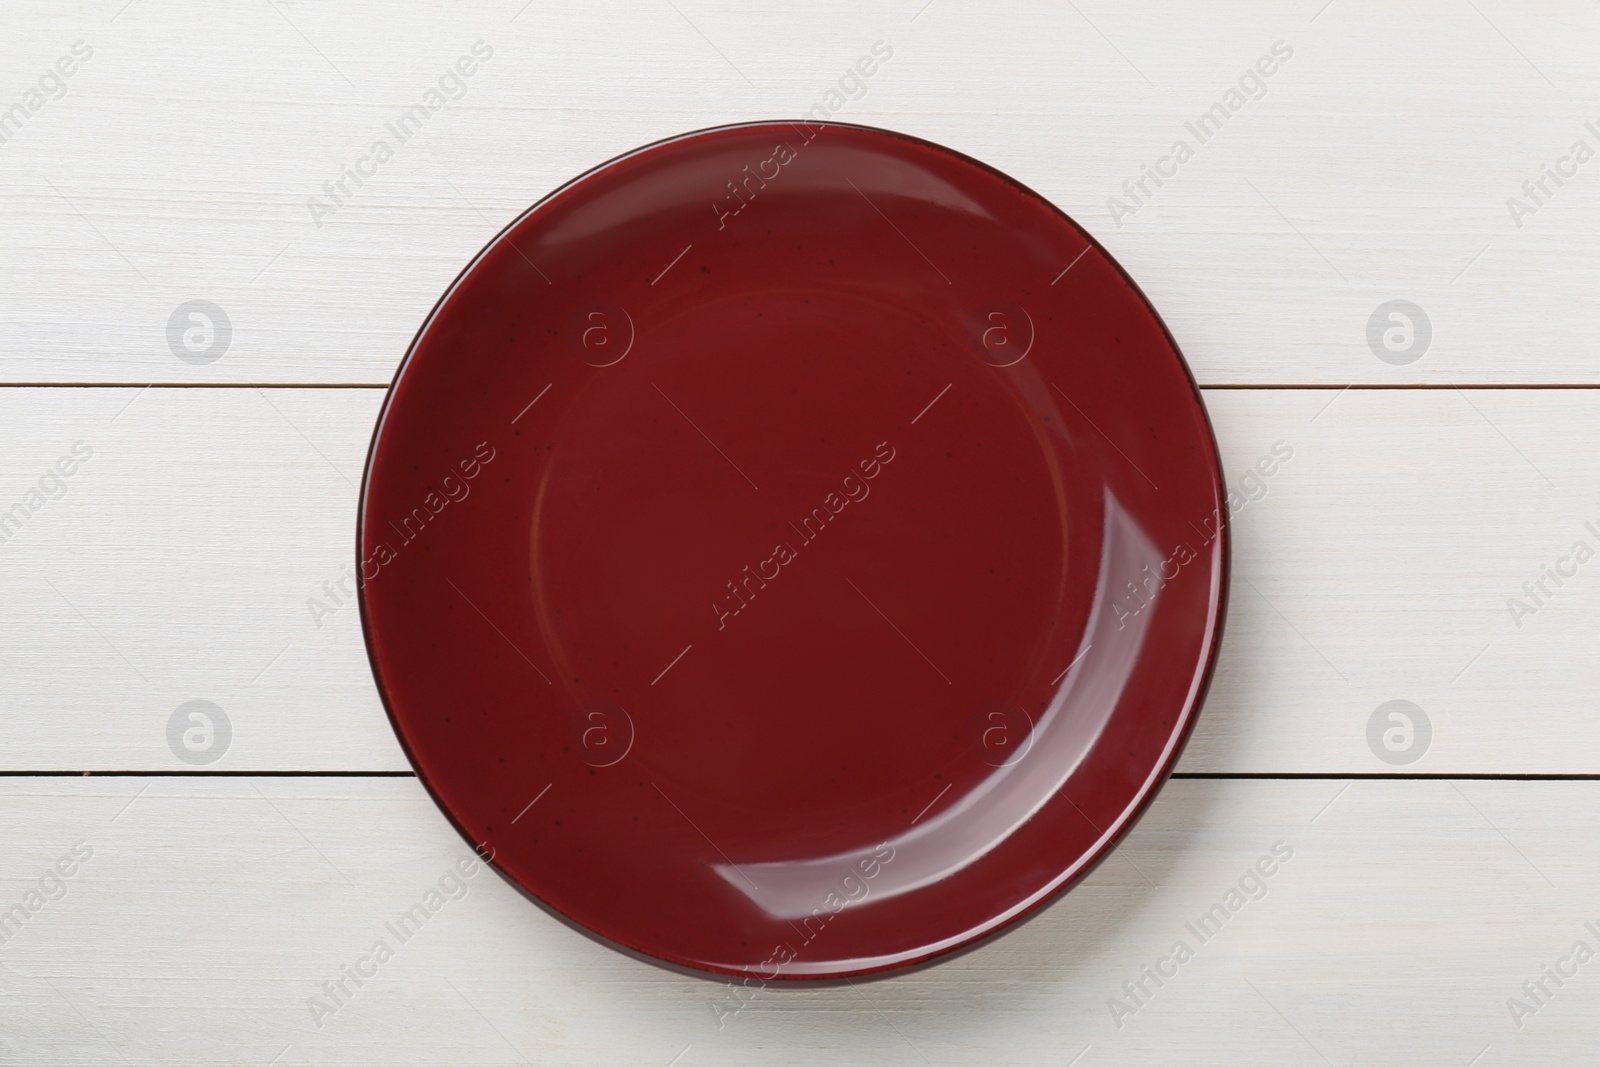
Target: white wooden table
x=208 y=902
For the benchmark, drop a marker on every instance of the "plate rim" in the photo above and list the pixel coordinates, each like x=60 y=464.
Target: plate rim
x=1073 y=874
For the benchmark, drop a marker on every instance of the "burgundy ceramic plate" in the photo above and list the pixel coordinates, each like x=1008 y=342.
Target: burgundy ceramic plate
x=793 y=551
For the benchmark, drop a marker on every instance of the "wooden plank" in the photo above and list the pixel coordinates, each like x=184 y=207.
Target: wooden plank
x=177 y=566
x=187 y=558
x=180 y=163
x=1380 y=565
x=210 y=912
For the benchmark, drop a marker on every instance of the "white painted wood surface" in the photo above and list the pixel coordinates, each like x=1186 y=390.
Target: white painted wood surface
x=211 y=910
x=1375 y=564
x=175 y=562
x=1377 y=165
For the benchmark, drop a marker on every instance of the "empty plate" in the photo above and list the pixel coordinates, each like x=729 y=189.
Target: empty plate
x=792 y=551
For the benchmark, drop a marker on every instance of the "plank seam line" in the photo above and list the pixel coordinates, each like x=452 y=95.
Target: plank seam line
x=1284 y=776
x=1217 y=387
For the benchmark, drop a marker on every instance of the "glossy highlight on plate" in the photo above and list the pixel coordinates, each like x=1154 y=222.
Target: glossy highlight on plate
x=792 y=551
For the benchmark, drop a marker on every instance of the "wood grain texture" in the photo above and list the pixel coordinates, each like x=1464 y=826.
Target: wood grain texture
x=1376 y=164
x=211 y=911
x=1376 y=563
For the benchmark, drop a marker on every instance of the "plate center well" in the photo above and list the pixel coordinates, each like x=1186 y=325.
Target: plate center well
x=850 y=522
